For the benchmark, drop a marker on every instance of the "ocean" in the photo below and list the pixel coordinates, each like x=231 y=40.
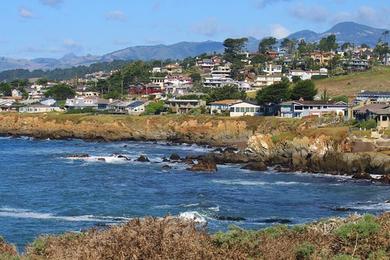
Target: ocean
x=45 y=191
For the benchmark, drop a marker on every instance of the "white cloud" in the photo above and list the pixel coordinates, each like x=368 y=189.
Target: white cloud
x=209 y=27
x=279 y=31
x=116 y=16
x=51 y=3
x=365 y=15
x=260 y=4
x=310 y=13
x=70 y=45
x=25 y=13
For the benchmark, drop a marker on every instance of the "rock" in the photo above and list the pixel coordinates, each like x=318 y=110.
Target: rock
x=174 y=157
x=79 y=155
x=386 y=180
x=101 y=159
x=362 y=176
x=229 y=218
x=166 y=167
x=204 y=165
x=218 y=150
x=143 y=158
x=230 y=150
x=120 y=156
x=282 y=169
x=255 y=166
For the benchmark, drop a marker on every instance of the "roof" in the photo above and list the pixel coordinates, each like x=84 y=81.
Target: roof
x=371 y=108
x=315 y=103
x=374 y=93
x=226 y=102
x=136 y=104
x=246 y=102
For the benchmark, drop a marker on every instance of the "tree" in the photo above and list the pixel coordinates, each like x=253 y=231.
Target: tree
x=234 y=49
x=364 y=46
x=305 y=89
x=275 y=93
x=328 y=44
x=196 y=77
x=267 y=44
x=346 y=46
x=42 y=81
x=288 y=45
x=154 y=108
x=226 y=92
x=5 y=89
x=60 y=92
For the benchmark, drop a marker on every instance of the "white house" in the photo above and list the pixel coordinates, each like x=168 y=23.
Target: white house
x=299 y=109
x=82 y=103
x=38 y=108
x=220 y=106
x=272 y=69
x=267 y=80
x=245 y=109
x=307 y=75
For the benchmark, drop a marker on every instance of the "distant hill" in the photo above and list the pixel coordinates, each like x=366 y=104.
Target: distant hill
x=345 y=32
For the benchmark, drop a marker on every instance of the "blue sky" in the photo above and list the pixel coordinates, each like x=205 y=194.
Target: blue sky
x=53 y=28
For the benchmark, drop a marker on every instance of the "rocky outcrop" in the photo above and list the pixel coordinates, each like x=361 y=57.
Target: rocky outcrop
x=205 y=164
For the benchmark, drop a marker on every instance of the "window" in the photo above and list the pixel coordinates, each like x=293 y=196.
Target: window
x=252 y=109
x=384 y=118
x=242 y=110
x=247 y=109
x=298 y=107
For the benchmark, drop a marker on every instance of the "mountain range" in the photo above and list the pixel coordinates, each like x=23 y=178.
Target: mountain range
x=345 y=32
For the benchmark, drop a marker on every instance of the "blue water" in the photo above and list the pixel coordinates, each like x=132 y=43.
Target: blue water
x=44 y=192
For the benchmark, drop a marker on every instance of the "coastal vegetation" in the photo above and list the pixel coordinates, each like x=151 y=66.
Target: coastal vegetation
x=356 y=237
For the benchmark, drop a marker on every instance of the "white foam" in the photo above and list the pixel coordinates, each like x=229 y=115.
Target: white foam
x=193 y=216
x=101 y=159
x=374 y=206
x=241 y=182
x=27 y=214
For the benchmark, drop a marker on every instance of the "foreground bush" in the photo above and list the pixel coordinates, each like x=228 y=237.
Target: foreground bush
x=170 y=238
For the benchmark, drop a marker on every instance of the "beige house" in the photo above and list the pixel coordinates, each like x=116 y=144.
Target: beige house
x=183 y=106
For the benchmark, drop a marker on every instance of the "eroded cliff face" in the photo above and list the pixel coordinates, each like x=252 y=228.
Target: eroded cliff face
x=111 y=128
x=318 y=154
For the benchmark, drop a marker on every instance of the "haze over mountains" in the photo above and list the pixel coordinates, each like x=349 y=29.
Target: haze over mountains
x=345 y=32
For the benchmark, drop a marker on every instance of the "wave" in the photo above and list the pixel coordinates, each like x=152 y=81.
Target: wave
x=27 y=214
x=260 y=183
x=194 y=216
x=381 y=206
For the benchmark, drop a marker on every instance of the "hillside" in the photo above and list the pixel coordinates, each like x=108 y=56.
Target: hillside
x=346 y=32
x=376 y=79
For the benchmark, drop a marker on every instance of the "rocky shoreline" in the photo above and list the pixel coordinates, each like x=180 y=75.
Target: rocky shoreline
x=254 y=143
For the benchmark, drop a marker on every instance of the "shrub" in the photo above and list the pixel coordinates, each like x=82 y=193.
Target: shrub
x=38 y=246
x=237 y=236
x=363 y=228
x=304 y=251
x=379 y=255
x=275 y=231
x=344 y=257
x=367 y=124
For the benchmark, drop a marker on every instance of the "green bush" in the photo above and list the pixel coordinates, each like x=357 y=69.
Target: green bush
x=345 y=257
x=304 y=251
x=379 y=255
x=237 y=236
x=363 y=228
x=367 y=124
x=39 y=245
x=275 y=231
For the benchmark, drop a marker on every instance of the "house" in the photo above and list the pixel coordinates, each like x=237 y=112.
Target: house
x=217 y=82
x=373 y=97
x=307 y=75
x=16 y=93
x=38 y=108
x=6 y=105
x=148 y=89
x=267 y=80
x=271 y=69
x=220 y=106
x=172 y=69
x=48 y=102
x=81 y=103
x=378 y=112
x=299 y=109
x=177 y=85
x=355 y=64
x=183 y=106
x=136 y=108
x=321 y=57
x=244 y=108
x=221 y=72
x=386 y=59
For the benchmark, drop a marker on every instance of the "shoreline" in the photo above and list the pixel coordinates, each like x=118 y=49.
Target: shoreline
x=256 y=143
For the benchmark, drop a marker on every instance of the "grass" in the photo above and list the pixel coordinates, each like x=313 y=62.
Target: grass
x=376 y=79
x=172 y=238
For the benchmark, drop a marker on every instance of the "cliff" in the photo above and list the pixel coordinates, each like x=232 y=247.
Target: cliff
x=201 y=129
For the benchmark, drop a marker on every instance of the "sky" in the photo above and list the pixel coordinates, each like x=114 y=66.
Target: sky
x=54 y=28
